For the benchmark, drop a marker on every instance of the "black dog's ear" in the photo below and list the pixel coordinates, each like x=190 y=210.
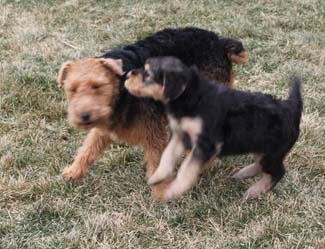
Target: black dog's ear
x=174 y=84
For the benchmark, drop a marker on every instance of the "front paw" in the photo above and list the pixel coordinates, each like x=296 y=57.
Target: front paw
x=170 y=194
x=72 y=173
x=159 y=189
x=163 y=192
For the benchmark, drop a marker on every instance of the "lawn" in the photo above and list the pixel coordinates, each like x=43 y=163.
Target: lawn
x=112 y=207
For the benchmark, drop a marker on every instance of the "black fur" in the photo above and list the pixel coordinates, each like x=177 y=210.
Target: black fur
x=243 y=122
x=194 y=46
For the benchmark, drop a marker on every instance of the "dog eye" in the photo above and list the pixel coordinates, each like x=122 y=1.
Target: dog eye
x=73 y=90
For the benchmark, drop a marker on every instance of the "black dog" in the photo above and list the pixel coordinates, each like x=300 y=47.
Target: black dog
x=214 y=120
x=213 y=54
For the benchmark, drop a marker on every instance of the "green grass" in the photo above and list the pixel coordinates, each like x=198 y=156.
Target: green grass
x=113 y=207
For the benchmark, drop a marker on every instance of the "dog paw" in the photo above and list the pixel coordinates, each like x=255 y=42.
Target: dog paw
x=159 y=193
x=160 y=188
x=252 y=193
x=171 y=194
x=163 y=195
x=262 y=186
x=238 y=176
x=72 y=173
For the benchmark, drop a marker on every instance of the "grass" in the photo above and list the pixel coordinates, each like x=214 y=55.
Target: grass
x=113 y=207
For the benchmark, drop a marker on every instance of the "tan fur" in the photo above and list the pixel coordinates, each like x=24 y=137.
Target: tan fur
x=92 y=85
x=91 y=88
x=175 y=148
x=136 y=87
x=171 y=154
x=193 y=126
x=240 y=58
x=153 y=138
x=114 y=65
x=96 y=142
x=147 y=67
x=262 y=186
x=63 y=72
x=250 y=170
x=173 y=123
x=175 y=126
x=187 y=176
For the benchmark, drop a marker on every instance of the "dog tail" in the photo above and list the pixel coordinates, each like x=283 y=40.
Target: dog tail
x=236 y=51
x=295 y=98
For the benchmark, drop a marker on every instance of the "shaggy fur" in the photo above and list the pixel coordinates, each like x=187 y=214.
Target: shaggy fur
x=212 y=54
x=214 y=120
x=98 y=101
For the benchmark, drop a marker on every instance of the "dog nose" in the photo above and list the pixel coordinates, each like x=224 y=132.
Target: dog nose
x=85 y=116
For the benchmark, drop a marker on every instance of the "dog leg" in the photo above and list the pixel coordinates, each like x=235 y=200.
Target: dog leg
x=262 y=186
x=152 y=157
x=173 y=151
x=154 y=147
x=186 y=177
x=208 y=165
x=93 y=146
x=250 y=170
x=273 y=170
x=205 y=167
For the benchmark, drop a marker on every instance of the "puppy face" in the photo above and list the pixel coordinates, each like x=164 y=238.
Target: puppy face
x=162 y=79
x=91 y=86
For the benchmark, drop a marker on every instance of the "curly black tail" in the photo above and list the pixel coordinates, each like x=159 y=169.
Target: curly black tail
x=295 y=98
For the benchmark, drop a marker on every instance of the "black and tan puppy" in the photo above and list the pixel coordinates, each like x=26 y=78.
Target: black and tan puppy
x=98 y=101
x=214 y=120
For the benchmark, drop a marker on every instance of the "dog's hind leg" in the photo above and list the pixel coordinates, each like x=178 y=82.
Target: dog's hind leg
x=273 y=170
x=250 y=170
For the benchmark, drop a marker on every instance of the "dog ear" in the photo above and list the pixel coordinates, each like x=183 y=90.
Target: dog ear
x=114 y=65
x=63 y=72
x=174 y=85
